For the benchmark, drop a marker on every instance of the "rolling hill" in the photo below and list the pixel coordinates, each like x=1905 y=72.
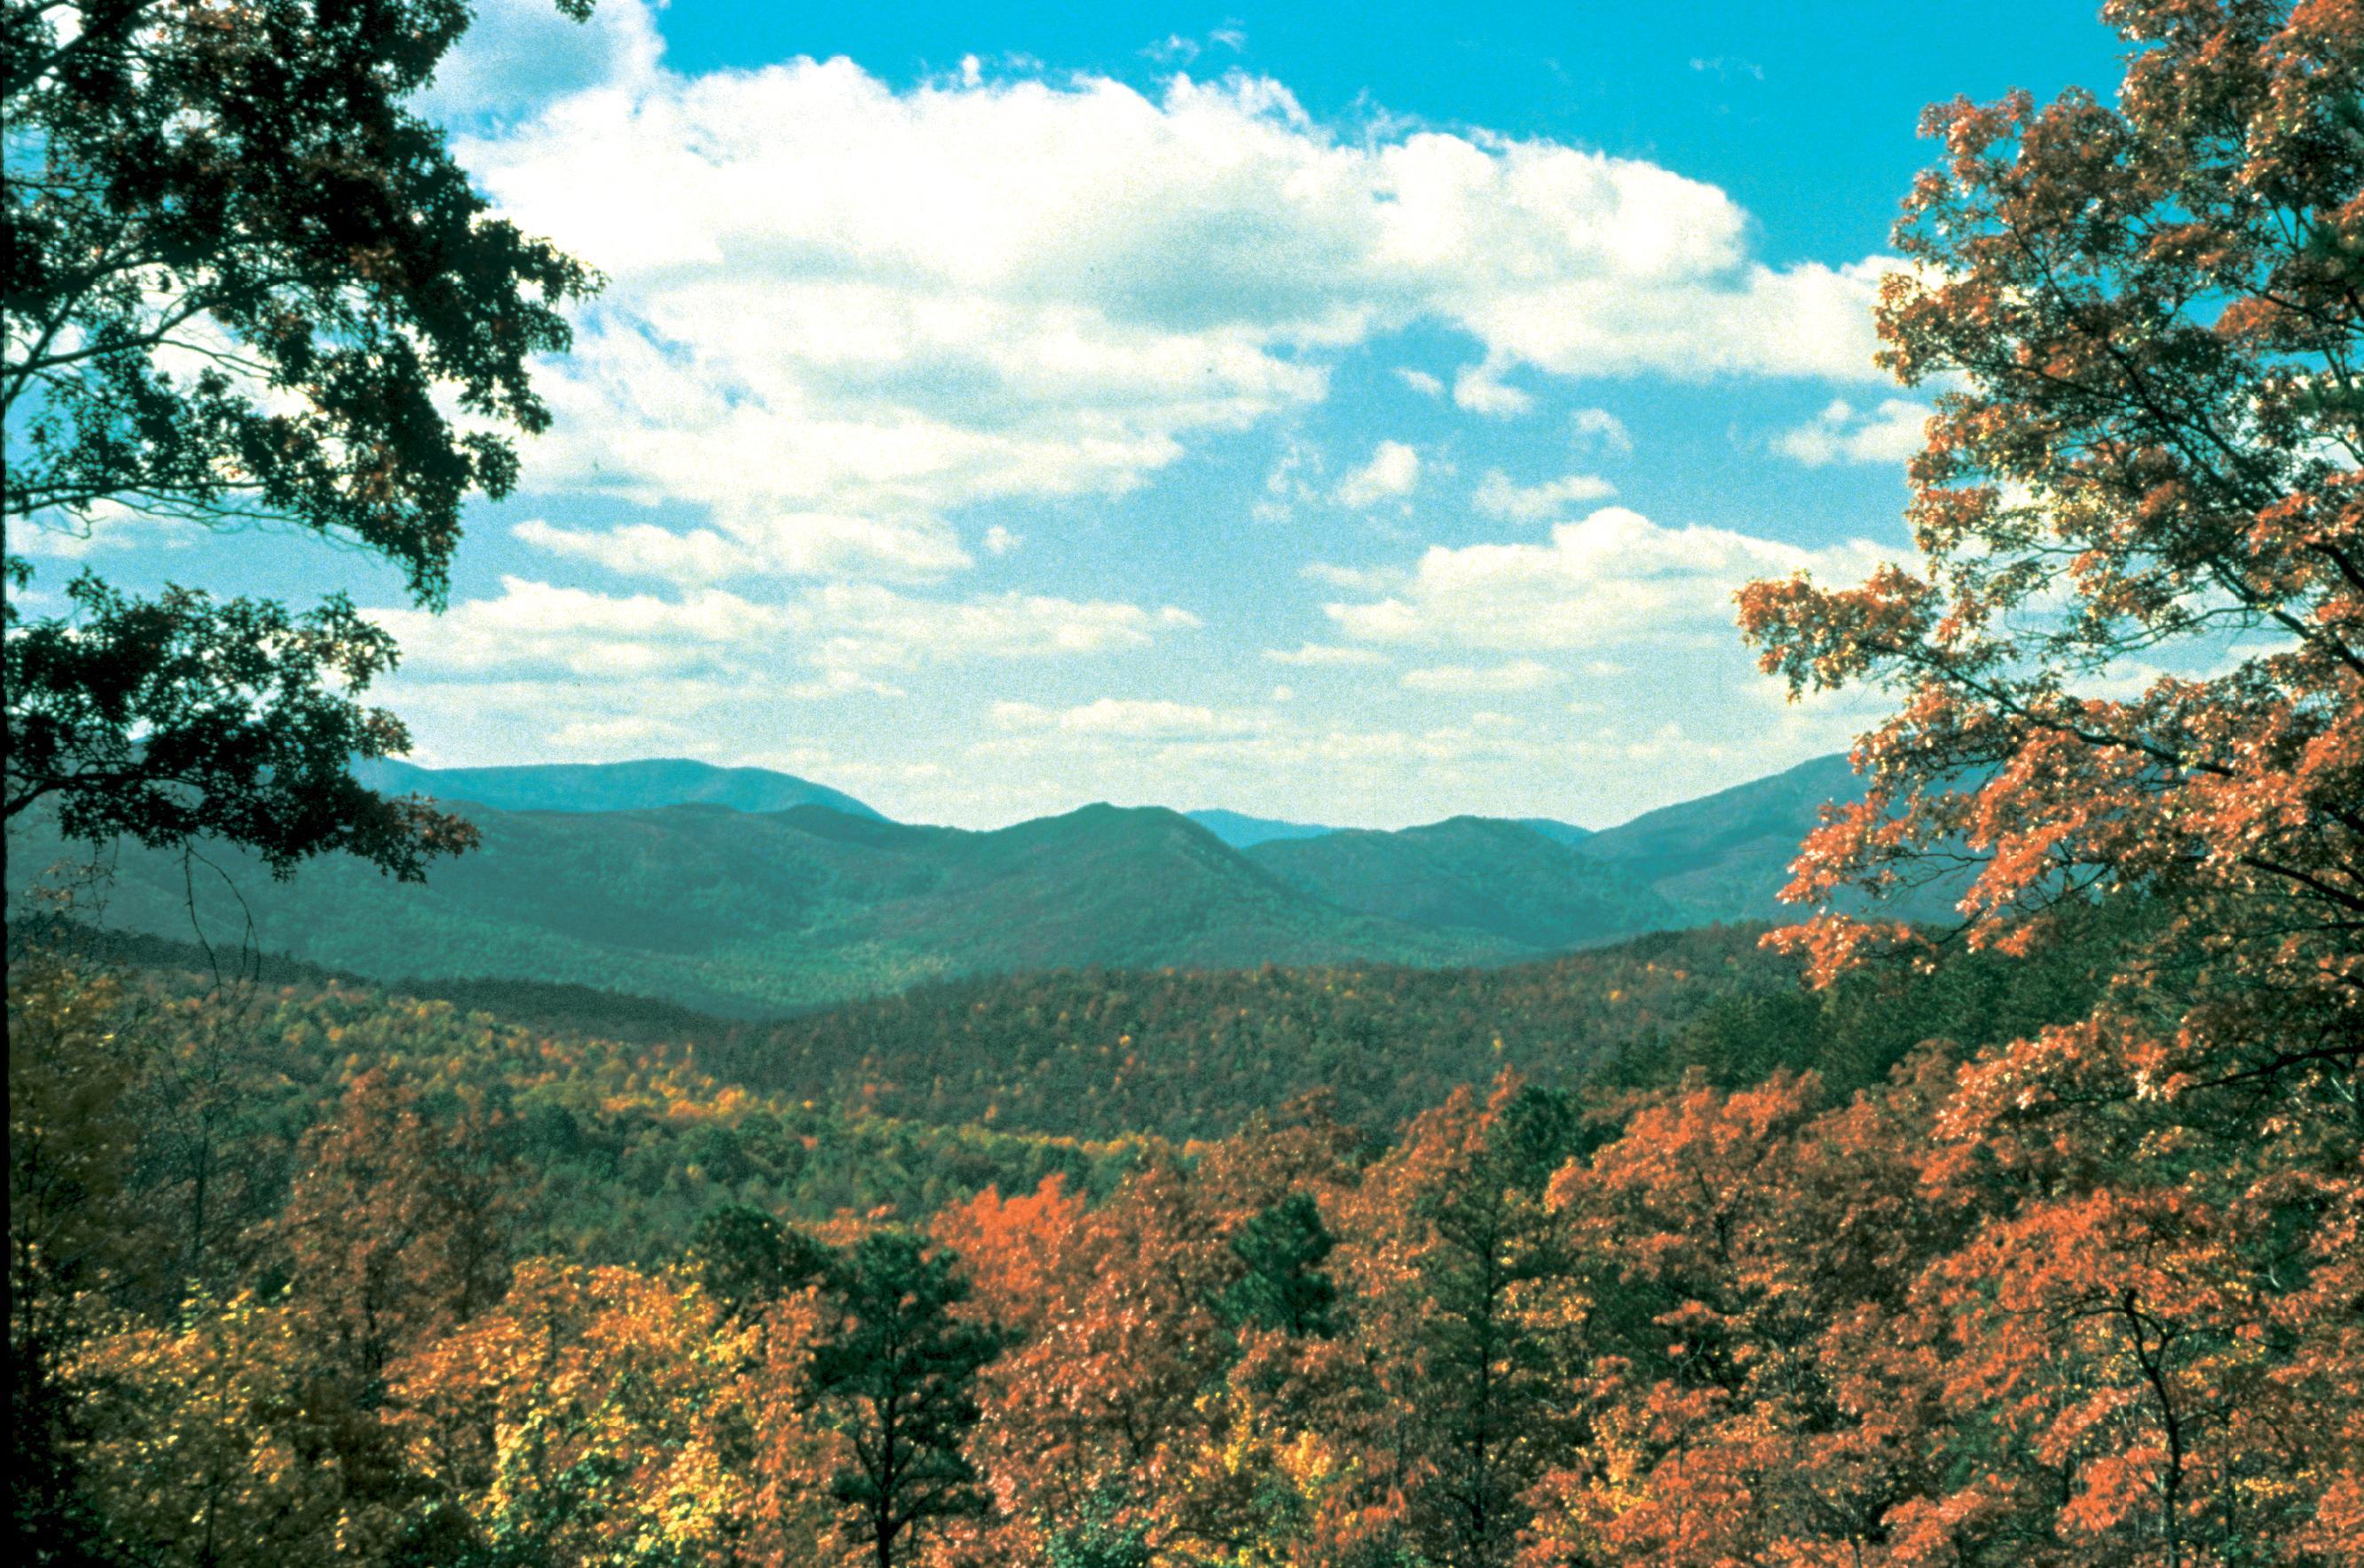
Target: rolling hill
x=1473 y=873
x=1726 y=856
x=718 y=905
x=754 y=913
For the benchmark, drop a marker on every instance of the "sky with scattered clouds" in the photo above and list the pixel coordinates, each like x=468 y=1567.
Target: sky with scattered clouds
x=1358 y=414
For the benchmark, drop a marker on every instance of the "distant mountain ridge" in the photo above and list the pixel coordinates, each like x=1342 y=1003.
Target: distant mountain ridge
x=608 y=786
x=1243 y=831
x=767 y=907
x=1726 y=856
x=1475 y=873
x=761 y=913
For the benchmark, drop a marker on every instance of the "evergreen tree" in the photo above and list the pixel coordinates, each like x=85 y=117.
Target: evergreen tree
x=747 y=1259
x=1284 y=1288
x=1491 y=1408
x=900 y=1374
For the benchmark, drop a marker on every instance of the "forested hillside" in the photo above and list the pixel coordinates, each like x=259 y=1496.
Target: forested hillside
x=757 y=914
x=339 y=1271
x=1472 y=873
x=727 y=905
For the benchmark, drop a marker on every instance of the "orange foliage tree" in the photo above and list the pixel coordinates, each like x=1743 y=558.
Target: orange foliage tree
x=2132 y=659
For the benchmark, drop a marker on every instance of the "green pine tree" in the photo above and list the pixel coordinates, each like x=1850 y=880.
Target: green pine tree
x=900 y=1375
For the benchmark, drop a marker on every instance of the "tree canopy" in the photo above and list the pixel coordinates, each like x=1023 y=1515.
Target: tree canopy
x=247 y=283
x=2133 y=660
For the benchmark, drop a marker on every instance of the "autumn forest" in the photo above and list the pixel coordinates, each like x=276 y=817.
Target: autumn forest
x=2023 y=1226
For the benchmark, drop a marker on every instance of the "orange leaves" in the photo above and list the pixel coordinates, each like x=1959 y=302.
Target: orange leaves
x=2149 y=314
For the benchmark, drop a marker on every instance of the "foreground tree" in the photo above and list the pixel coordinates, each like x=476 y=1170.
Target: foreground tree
x=245 y=284
x=899 y=1373
x=2133 y=660
x=2132 y=670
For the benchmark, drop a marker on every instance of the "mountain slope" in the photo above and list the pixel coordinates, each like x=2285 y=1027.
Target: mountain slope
x=1726 y=856
x=751 y=912
x=1473 y=874
x=608 y=786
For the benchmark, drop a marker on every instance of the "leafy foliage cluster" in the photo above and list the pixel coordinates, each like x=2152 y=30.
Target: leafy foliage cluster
x=325 y=1273
x=246 y=283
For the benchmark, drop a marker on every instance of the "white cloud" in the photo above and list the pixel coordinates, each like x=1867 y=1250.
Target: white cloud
x=519 y=53
x=829 y=295
x=863 y=626
x=1128 y=718
x=1519 y=676
x=1291 y=479
x=1361 y=579
x=1498 y=496
x=1613 y=577
x=804 y=544
x=829 y=641
x=1843 y=433
x=1599 y=427
x=1422 y=381
x=536 y=628
x=1325 y=656
x=999 y=541
x=1392 y=472
x=622 y=733
x=1476 y=389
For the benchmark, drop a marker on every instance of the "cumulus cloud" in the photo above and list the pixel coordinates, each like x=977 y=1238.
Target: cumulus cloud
x=538 y=628
x=1392 y=474
x=1844 y=433
x=1598 y=427
x=1129 y=718
x=1613 y=577
x=1498 y=495
x=1421 y=382
x=861 y=625
x=831 y=639
x=803 y=544
x=999 y=541
x=1325 y=655
x=832 y=296
x=1476 y=389
x=1519 y=676
x=517 y=54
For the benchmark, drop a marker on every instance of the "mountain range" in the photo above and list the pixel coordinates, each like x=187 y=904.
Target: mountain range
x=607 y=786
x=655 y=879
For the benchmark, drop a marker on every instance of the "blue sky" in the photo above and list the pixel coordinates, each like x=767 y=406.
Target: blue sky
x=1337 y=413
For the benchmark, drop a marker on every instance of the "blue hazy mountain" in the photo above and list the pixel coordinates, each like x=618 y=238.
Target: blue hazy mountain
x=746 y=891
x=609 y=787
x=1240 y=830
x=1477 y=874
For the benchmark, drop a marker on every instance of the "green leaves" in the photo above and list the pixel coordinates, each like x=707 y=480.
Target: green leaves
x=180 y=716
x=242 y=270
x=899 y=1373
x=245 y=283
